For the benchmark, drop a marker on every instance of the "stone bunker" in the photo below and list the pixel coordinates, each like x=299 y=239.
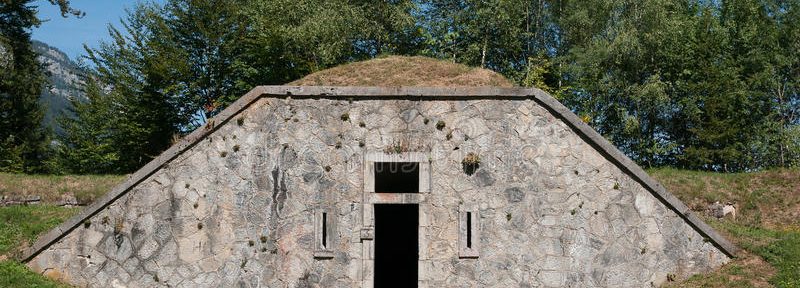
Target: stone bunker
x=325 y=186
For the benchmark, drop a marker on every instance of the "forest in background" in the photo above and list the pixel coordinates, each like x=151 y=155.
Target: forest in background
x=704 y=85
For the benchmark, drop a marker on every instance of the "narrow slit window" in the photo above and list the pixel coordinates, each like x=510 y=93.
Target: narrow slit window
x=468 y=233
x=324 y=230
x=469 y=230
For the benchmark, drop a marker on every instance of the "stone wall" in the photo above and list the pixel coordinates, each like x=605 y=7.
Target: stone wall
x=238 y=208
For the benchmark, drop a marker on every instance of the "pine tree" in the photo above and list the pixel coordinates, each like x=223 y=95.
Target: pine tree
x=130 y=68
x=299 y=37
x=22 y=138
x=167 y=70
x=89 y=147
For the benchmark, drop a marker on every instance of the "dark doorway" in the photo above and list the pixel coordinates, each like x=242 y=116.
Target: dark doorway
x=396 y=245
x=396 y=177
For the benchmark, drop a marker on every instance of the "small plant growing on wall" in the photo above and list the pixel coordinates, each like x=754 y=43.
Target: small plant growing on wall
x=471 y=163
x=440 y=125
x=397 y=147
x=118 y=226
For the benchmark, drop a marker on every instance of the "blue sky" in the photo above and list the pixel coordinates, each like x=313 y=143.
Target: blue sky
x=69 y=34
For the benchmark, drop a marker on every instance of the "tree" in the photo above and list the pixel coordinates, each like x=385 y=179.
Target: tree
x=300 y=37
x=699 y=84
x=783 y=83
x=735 y=98
x=89 y=147
x=198 y=58
x=623 y=58
x=505 y=36
x=696 y=84
x=23 y=140
x=134 y=98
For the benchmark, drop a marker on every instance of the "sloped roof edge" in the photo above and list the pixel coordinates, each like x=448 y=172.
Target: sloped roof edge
x=551 y=104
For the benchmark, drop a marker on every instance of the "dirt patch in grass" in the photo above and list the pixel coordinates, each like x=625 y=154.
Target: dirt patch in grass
x=52 y=188
x=405 y=71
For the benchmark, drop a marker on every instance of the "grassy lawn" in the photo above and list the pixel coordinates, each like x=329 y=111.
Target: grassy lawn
x=19 y=227
x=14 y=274
x=782 y=251
x=86 y=188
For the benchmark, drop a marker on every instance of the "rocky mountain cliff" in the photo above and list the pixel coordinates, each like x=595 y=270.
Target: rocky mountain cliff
x=63 y=85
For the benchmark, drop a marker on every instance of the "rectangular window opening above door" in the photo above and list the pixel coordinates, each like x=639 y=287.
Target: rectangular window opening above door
x=396 y=177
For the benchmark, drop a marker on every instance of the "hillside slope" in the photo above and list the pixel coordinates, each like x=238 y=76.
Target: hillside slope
x=767 y=224
x=769 y=199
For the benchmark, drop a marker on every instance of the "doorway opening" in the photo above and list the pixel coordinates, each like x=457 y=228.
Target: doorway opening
x=396 y=177
x=396 y=245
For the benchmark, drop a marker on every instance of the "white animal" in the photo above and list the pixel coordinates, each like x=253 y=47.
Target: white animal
x=720 y=211
x=729 y=208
